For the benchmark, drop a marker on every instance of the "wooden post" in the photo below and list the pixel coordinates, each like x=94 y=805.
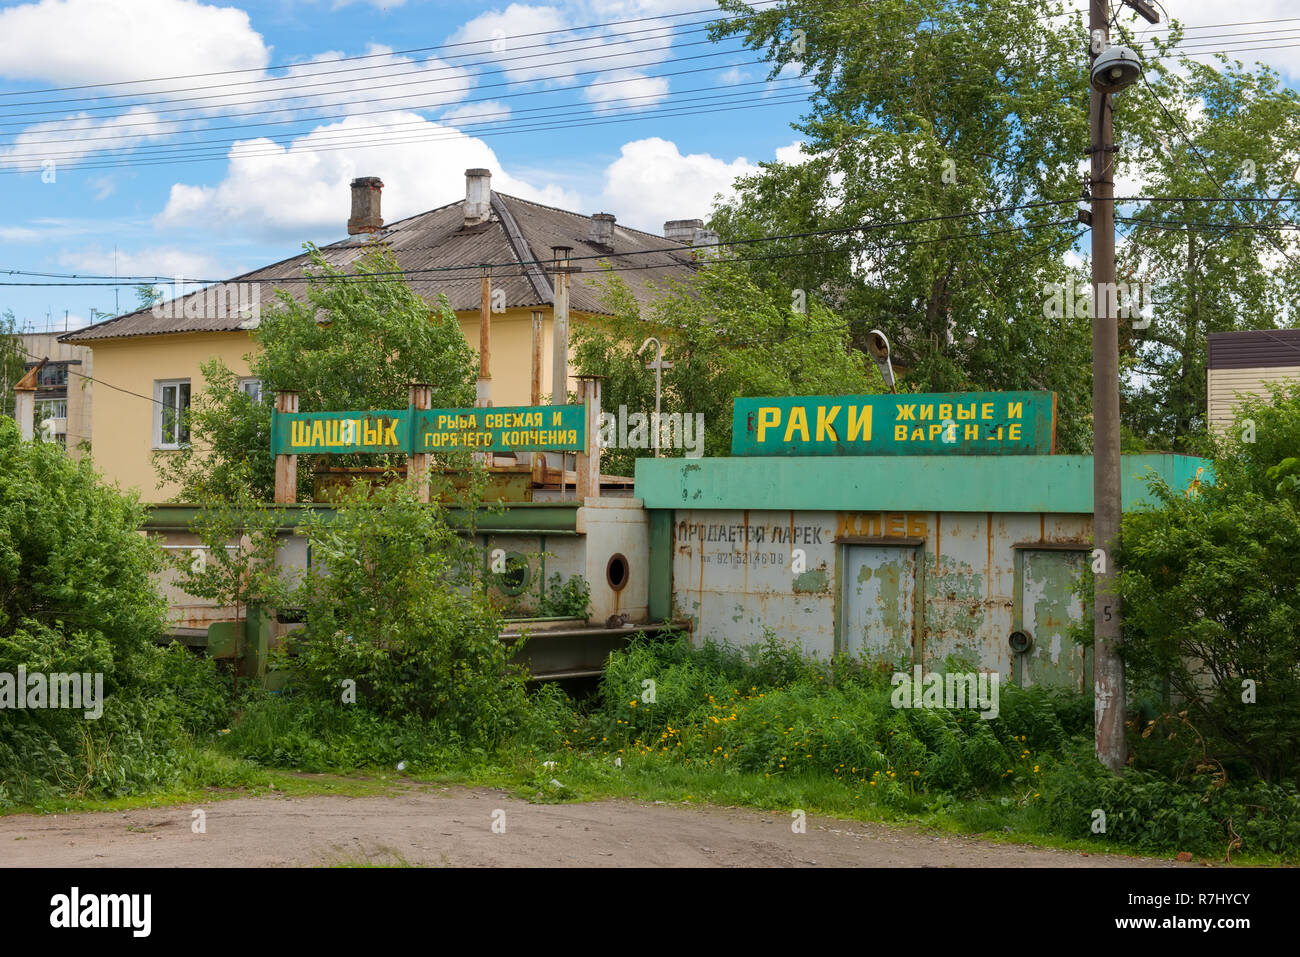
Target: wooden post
x=560 y=354
x=483 y=395
x=537 y=358
x=25 y=401
x=417 y=463
x=537 y=460
x=588 y=463
x=286 y=466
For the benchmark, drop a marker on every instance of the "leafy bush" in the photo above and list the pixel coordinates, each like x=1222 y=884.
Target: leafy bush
x=1211 y=590
x=394 y=601
x=76 y=597
x=571 y=599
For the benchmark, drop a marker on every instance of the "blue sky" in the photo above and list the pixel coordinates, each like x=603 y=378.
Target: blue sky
x=66 y=201
x=81 y=170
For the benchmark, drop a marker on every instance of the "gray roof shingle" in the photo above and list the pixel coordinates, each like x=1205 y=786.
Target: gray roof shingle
x=520 y=231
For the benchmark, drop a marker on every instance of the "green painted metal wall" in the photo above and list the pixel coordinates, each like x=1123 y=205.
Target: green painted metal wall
x=1037 y=483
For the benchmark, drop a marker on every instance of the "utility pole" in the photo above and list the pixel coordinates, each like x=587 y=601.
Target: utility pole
x=1110 y=704
x=1108 y=669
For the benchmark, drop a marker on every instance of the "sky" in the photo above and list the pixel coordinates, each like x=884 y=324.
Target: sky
x=618 y=106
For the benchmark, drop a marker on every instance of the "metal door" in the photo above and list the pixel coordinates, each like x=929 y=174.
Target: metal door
x=1048 y=607
x=879 y=602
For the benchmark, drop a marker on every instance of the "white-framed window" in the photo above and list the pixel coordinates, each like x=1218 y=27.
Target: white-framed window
x=51 y=409
x=251 y=388
x=171 y=428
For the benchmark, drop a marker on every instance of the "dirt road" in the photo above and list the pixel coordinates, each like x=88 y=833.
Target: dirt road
x=454 y=826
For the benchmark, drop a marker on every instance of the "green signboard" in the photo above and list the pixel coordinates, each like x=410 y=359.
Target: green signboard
x=525 y=428
x=956 y=423
x=521 y=428
x=298 y=433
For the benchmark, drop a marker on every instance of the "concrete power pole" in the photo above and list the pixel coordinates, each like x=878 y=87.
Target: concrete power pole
x=1110 y=705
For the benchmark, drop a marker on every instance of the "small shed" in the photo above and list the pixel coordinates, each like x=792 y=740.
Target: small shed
x=913 y=559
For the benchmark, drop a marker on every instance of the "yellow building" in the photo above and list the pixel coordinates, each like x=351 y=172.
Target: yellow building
x=64 y=389
x=149 y=360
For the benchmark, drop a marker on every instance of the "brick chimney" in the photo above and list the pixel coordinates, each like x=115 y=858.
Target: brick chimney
x=602 y=230
x=365 y=206
x=478 y=196
x=706 y=238
x=682 y=230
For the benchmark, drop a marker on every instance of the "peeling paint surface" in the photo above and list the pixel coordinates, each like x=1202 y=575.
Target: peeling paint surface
x=1048 y=608
x=879 y=602
x=952 y=584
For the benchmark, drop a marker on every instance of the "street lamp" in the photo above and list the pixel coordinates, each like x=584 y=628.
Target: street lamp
x=1115 y=69
x=659 y=365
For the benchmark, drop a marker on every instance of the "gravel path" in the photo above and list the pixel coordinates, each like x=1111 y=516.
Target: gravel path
x=454 y=826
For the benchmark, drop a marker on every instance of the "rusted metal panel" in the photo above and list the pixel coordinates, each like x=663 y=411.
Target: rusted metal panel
x=735 y=575
x=880 y=602
x=1048 y=607
x=940 y=586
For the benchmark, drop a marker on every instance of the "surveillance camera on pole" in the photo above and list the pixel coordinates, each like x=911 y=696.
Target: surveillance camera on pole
x=1115 y=69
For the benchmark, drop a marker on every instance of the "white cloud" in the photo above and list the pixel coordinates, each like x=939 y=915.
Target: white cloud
x=791 y=154
x=66 y=42
x=551 y=44
x=146 y=261
x=652 y=182
x=505 y=36
x=626 y=91
x=19 y=234
x=1284 y=58
x=296 y=193
x=487 y=111
x=383 y=81
x=46 y=147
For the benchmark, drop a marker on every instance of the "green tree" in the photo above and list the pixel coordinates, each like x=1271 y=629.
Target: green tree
x=13 y=361
x=357 y=342
x=1210 y=583
x=928 y=111
x=726 y=336
x=1236 y=266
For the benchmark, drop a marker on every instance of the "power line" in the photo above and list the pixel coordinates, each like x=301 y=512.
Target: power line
x=406 y=96
x=293 y=79
x=1186 y=137
x=847 y=324
x=371 y=56
x=108 y=385
x=476 y=269
x=367 y=135
x=316 y=119
x=782 y=100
